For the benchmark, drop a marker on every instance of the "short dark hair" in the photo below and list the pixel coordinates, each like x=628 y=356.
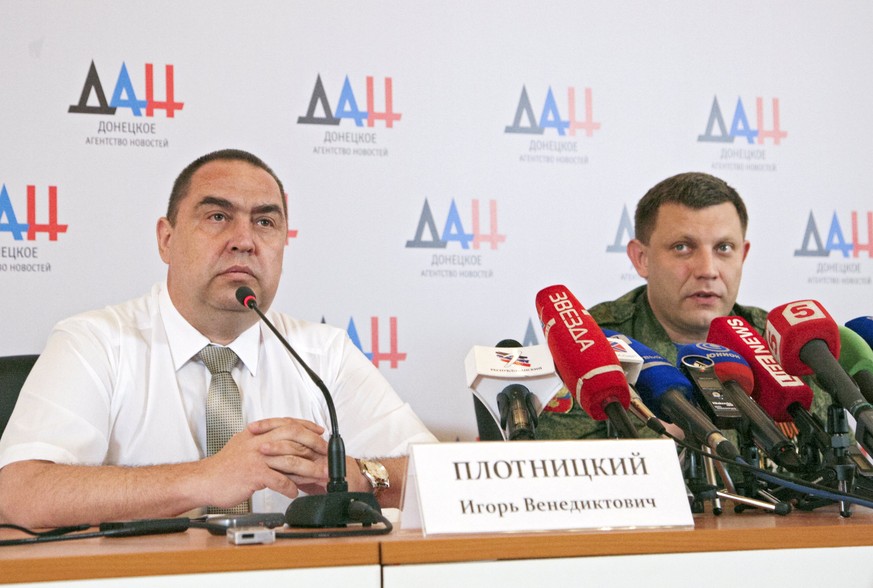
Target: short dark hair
x=183 y=182
x=694 y=190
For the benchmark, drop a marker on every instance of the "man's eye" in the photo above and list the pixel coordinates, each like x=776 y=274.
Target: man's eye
x=266 y=222
x=218 y=216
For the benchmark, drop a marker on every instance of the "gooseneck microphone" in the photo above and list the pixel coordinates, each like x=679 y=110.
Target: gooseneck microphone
x=331 y=509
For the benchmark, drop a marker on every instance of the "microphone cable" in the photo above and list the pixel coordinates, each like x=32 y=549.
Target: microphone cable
x=804 y=487
x=358 y=511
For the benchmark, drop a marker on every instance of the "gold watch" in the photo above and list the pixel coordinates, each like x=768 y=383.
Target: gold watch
x=376 y=474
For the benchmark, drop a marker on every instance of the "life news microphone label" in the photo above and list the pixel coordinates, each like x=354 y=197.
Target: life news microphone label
x=492 y=487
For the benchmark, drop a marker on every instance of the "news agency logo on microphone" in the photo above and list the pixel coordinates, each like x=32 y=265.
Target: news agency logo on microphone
x=359 y=119
x=713 y=350
x=18 y=250
x=137 y=104
x=464 y=241
x=513 y=358
x=561 y=121
x=750 y=154
x=850 y=243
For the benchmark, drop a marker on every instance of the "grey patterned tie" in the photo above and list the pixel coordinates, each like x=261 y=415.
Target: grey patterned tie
x=223 y=409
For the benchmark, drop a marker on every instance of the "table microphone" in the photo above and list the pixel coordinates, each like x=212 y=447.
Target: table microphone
x=325 y=510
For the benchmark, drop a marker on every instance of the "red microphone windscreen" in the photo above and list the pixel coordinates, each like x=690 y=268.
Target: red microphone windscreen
x=583 y=357
x=727 y=371
x=775 y=389
x=793 y=325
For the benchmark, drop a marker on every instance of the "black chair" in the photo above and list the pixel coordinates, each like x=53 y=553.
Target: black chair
x=13 y=372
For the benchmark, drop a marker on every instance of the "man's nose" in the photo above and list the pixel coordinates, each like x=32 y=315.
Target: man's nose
x=242 y=236
x=706 y=264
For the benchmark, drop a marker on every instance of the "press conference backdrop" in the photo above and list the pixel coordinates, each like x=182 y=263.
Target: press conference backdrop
x=444 y=161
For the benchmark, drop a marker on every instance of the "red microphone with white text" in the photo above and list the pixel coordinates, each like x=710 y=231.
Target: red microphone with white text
x=806 y=340
x=584 y=359
x=783 y=396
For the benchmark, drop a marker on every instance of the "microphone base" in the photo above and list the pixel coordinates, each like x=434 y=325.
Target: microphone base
x=328 y=510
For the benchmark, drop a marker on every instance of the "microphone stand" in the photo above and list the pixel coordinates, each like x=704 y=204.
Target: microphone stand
x=324 y=510
x=705 y=490
x=701 y=487
x=837 y=467
x=770 y=502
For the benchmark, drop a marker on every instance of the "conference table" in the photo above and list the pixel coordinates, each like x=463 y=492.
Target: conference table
x=800 y=549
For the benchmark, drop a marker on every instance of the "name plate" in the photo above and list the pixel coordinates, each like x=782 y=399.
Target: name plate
x=490 y=487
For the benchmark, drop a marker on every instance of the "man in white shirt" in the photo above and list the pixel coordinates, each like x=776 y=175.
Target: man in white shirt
x=111 y=423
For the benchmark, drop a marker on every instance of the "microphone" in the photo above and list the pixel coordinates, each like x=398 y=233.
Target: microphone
x=511 y=384
x=863 y=325
x=663 y=387
x=804 y=337
x=780 y=394
x=708 y=390
x=856 y=358
x=584 y=359
x=518 y=416
x=632 y=363
x=331 y=509
x=735 y=375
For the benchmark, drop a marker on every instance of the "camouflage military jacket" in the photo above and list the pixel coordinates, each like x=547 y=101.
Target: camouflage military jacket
x=633 y=316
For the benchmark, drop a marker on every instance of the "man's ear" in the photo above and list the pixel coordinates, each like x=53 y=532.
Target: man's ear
x=164 y=231
x=639 y=256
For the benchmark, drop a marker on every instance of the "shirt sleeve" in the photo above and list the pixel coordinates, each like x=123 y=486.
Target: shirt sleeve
x=374 y=421
x=63 y=411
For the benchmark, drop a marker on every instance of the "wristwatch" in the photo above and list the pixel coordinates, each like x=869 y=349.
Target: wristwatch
x=376 y=474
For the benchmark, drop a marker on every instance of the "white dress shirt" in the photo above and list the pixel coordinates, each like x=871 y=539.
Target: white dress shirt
x=123 y=386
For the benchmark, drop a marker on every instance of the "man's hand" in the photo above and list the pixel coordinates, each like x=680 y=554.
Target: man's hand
x=281 y=454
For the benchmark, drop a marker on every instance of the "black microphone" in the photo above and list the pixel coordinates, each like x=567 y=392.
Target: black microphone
x=331 y=509
x=732 y=372
x=518 y=416
x=517 y=413
x=510 y=383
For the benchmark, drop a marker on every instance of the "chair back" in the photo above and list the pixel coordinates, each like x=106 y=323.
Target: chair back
x=13 y=371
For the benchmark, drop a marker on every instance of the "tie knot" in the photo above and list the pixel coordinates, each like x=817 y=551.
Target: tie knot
x=218 y=359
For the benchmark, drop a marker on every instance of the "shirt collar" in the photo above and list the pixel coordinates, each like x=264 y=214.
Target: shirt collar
x=185 y=341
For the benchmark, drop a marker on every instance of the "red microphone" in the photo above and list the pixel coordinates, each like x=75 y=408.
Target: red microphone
x=790 y=327
x=779 y=393
x=807 y=340
x=584 y=358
